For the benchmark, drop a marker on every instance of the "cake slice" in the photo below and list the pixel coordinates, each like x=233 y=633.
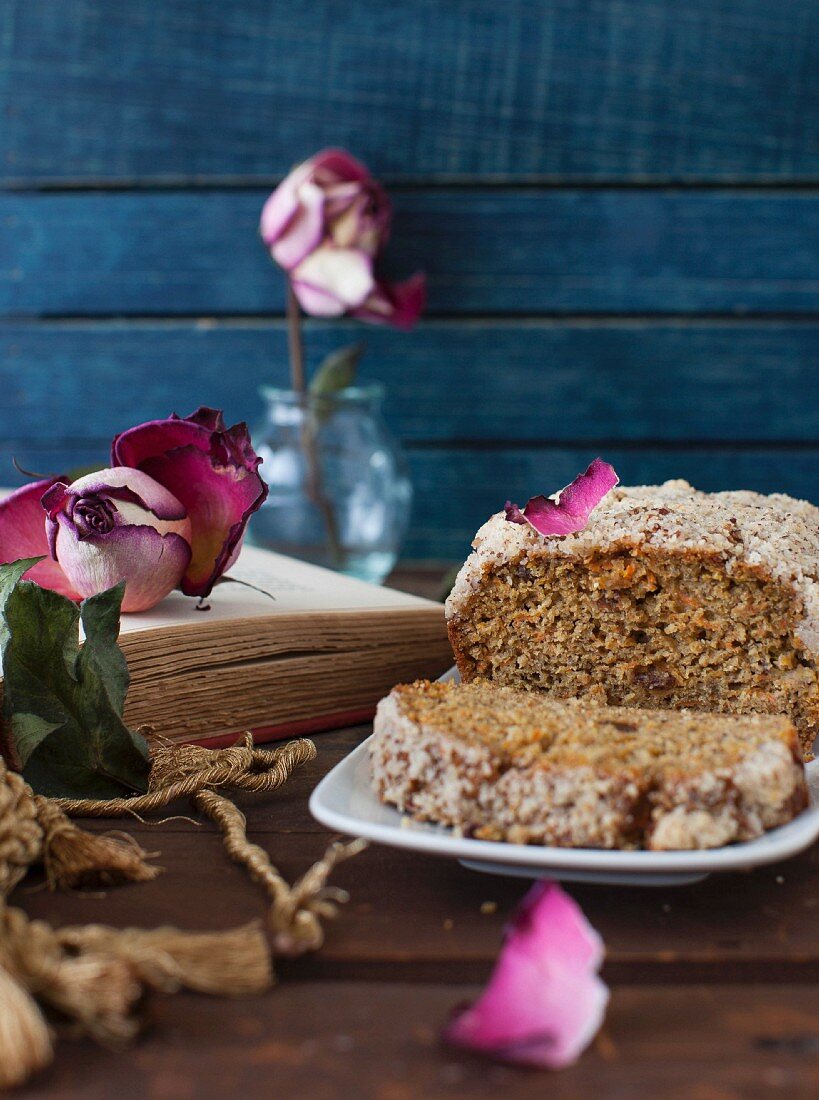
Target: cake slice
x=668 y=598
x=501 y=764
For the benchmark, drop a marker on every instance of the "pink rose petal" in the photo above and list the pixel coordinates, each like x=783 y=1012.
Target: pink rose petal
x=316 y=301
x=304 y=230
x=283 y=204
x=213 y=471
x=575 y=503
x=544 y=1002
x=341 y=273
x=396 y=304
x=23 y=535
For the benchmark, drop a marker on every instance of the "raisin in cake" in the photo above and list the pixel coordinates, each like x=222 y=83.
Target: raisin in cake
x=503 y=764
x=668 y=598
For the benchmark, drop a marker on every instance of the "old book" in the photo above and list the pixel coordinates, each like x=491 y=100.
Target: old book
x=303 y=650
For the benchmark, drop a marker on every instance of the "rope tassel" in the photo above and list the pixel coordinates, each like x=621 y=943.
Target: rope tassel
x=75 y=857
x=95 y=976
x=25 y=1042
x=296 y=912
x=232 y=963
x=34 y=829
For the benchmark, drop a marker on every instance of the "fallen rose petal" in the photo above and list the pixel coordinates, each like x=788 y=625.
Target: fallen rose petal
x=114 y=525
x=213 y=471
x=544 y=1002
x=396 y=304
x=575 y=503
x=23 y=535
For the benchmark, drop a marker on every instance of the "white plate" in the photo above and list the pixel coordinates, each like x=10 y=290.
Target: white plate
x=345 y=802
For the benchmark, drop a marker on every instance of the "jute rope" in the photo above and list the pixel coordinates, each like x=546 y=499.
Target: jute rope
x=94 y=975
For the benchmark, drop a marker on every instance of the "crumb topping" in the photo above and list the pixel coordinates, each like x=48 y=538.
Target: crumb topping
x=526 y=728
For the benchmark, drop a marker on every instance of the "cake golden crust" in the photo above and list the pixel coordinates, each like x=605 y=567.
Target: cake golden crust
x=668 y=598
x=501 y=764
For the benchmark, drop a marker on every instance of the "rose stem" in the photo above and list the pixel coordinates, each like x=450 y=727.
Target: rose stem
x=296 y=344
x=315 y=487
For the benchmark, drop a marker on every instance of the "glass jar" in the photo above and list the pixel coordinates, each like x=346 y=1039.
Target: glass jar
x=340 y=493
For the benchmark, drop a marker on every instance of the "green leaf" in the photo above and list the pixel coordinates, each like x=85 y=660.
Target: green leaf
x=100 y=623
x=10 y=574
x=337 y=371
x=62 y=702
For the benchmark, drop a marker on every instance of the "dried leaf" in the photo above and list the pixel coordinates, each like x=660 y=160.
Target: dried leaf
x=337 y=371
x=62 y=703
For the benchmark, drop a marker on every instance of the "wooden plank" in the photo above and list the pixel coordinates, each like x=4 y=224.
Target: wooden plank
x=458 y=487
x=516 y=251
x=381 y=1042
x=416 y=918
x=535 y=88
x=539 y=382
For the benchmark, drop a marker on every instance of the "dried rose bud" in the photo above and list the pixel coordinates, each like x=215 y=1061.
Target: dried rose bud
x=114 y=525
x=327 y=224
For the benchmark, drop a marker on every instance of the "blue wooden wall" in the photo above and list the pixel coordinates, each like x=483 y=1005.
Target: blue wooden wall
x=617 y=205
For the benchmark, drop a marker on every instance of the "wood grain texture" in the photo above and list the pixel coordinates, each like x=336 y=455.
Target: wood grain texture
x=457 y=487
x=333 y=1040
x=724 y=89
x=515 y=252
x=713 y=986
x=542 y=381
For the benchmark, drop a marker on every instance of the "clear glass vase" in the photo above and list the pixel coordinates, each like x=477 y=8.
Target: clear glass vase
x=340 y=493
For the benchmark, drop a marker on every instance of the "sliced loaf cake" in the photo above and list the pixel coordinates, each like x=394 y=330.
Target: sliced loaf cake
x=501 y=764
x=668 y=598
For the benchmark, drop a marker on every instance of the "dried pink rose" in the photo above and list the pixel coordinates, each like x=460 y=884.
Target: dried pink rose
x=118 y=525
x=574 y=504
x=326 y=224
x=213 y=471
x=544 y=1002
x=23 y=535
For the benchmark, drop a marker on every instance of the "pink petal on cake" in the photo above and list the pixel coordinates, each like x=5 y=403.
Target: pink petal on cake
x=544 y=1002
x=575 y=503
x=23 y=535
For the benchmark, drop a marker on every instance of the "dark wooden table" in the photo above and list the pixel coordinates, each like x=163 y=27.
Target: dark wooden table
x=714 y=986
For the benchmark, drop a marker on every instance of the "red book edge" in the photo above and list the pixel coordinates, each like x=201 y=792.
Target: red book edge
x=300 y=728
